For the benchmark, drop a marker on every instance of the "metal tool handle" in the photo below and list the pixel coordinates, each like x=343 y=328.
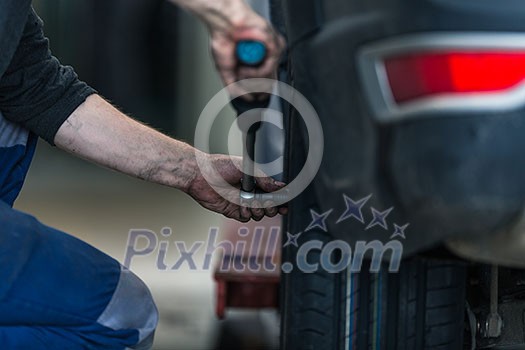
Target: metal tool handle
x=252 y=53
x=264 y=197
x=249 y=53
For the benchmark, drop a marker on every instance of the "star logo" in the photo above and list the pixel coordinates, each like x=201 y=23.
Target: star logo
x=379 y=218
x=318 y=220
x=292 y=239
x=354 y=209
x=399 y=231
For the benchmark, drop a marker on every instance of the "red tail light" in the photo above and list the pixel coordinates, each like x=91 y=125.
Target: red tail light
x=415 y=75
x=428 y=75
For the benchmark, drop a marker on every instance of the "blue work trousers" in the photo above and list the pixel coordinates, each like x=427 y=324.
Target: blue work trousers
x=57 y=292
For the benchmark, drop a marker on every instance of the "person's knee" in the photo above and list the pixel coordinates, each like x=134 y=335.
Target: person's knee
x=132 y=308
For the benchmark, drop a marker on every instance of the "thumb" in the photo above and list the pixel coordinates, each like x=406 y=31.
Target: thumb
x=268 y=184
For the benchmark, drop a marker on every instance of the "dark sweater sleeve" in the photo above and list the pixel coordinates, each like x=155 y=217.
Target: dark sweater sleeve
x=36 y=91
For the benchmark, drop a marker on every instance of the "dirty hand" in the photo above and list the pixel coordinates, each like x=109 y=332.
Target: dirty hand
x=244 y=24
x=214 y=196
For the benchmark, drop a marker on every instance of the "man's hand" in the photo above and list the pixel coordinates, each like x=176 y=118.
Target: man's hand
x=248 y=27
x=230 y=21
x=201 y=190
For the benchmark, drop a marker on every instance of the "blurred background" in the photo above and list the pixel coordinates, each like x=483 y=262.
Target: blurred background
x=152 y=61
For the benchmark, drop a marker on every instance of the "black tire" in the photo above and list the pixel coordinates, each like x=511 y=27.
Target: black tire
x=420 y=307
x=311 y=316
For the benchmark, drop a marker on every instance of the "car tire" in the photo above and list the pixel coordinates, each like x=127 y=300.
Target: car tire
x=420 y=307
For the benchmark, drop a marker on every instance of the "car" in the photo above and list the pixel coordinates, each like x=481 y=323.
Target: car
x=422 y=104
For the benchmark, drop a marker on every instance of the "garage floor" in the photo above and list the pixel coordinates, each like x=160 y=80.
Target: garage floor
x=101 y=207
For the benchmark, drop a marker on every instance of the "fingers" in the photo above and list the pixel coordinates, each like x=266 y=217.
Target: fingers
x=253 y=211
x=257 y=211
x=223 y=51
x=245 y=214
x=270 y=210
x=268 y=184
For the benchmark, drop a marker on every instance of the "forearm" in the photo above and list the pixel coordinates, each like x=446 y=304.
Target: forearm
x=98 y=132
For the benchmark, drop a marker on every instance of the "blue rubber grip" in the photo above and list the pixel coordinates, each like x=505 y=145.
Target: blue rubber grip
x=251 y=52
